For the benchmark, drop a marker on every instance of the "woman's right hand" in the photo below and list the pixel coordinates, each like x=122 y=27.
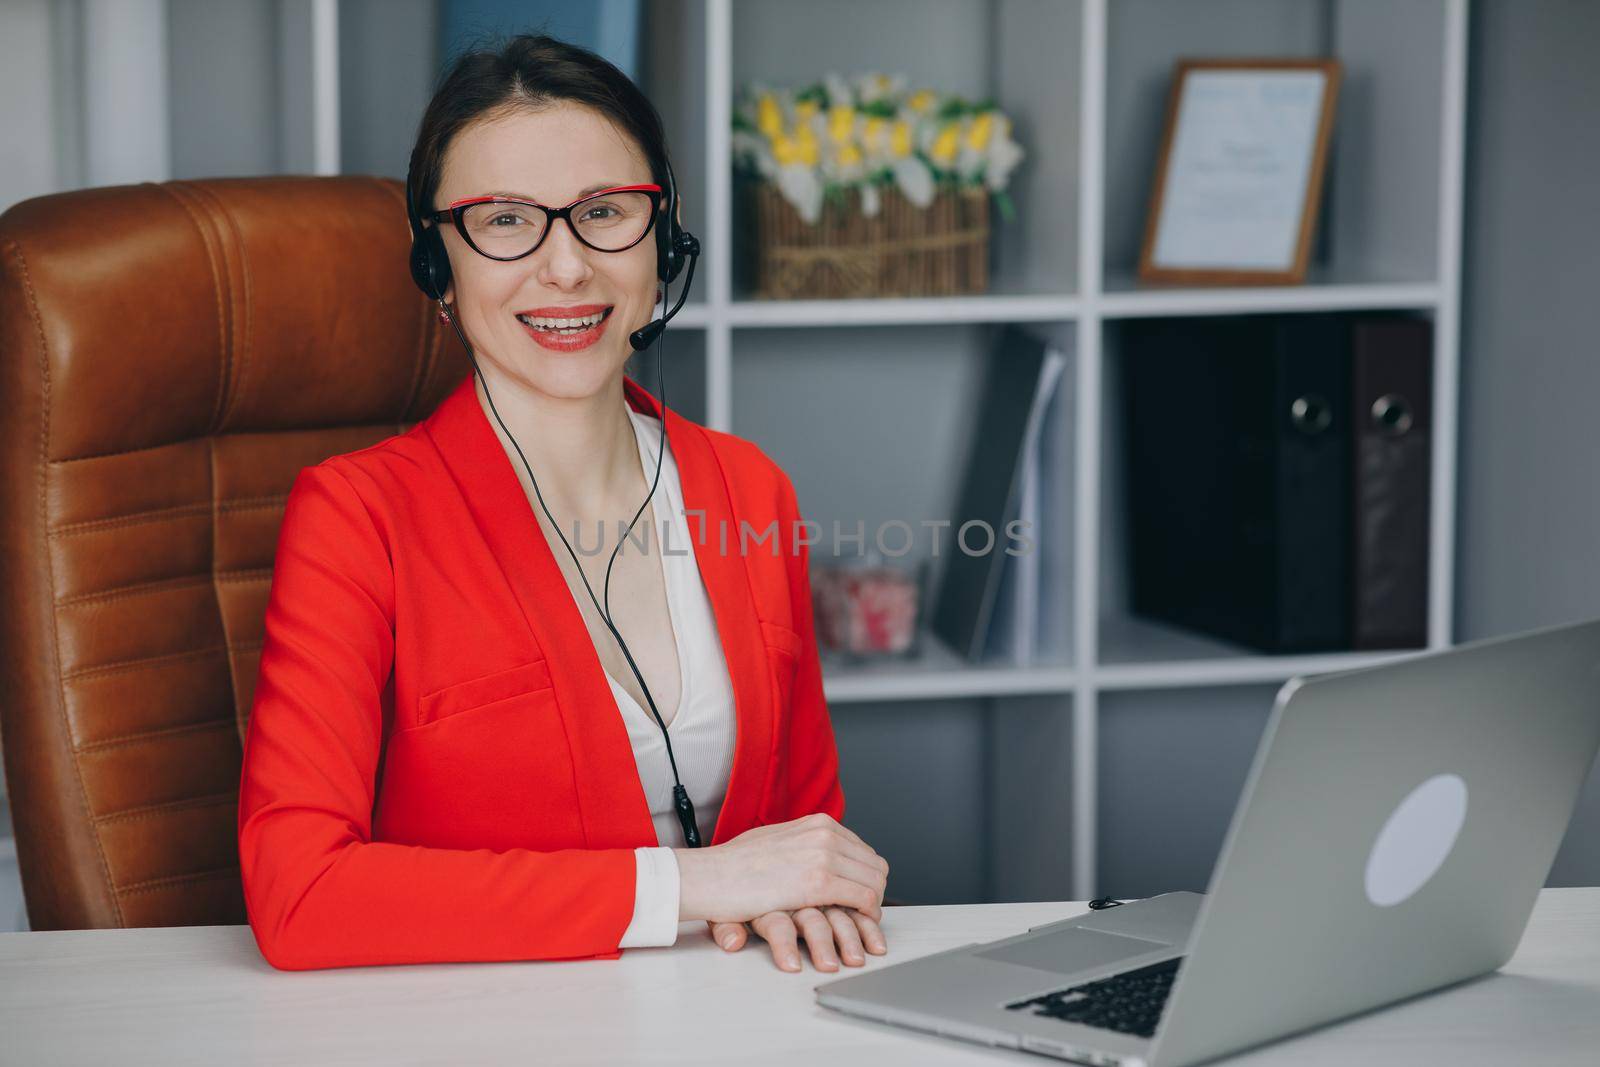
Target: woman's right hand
x=810 y=862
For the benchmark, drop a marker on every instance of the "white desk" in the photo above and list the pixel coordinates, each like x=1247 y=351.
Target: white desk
x=203 y=995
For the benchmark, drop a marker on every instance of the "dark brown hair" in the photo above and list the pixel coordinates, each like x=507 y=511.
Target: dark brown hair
x=531 y=70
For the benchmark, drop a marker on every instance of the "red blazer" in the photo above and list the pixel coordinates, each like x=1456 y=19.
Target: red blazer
x=435 y=768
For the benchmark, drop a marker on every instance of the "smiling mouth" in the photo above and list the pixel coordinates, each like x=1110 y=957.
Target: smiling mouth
x=559 y=326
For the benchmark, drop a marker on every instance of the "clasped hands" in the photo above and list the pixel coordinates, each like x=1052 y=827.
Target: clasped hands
x=809 y=878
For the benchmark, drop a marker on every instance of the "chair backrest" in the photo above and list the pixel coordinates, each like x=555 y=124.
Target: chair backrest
x=170 y=357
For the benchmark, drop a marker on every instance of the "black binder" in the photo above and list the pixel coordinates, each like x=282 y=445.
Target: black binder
x=1237 y=442
x=1392 y=407
x=969 y=584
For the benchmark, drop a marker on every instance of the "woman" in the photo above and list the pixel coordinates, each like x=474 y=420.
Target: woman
x=449 y=755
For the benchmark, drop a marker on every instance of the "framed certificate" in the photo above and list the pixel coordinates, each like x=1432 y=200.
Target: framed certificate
x=1240 y=172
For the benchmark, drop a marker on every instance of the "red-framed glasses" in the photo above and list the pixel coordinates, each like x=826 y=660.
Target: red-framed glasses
x=506 y=228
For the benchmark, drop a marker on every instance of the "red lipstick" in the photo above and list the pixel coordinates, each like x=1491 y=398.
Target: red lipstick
x=562 y=340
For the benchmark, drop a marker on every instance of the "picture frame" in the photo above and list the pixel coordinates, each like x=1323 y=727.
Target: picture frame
x=1239 y=177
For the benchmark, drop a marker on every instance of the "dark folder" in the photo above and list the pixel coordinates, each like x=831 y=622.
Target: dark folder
x=1237 y=445
x=1393 y=419
x=989 y=493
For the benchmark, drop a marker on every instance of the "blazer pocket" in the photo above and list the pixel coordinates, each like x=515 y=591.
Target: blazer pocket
x=779 y=636
x=488 y=765
x=783 y=653
x=483 y=691
x=783 y=648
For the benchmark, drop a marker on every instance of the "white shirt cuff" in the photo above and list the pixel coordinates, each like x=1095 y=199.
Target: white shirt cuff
x=655 y=899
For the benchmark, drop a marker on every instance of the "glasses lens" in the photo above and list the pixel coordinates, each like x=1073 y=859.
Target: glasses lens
x=503 y=230
x=613 y=221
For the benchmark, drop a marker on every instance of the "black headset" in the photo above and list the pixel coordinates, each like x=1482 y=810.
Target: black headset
x=675 y=247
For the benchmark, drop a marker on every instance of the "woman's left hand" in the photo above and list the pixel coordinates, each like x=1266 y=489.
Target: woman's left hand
x=830 y=933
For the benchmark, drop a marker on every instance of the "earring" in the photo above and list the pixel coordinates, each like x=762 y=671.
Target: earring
x=444 y=320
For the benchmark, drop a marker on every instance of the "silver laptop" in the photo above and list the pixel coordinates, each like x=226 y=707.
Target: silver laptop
x=1395 y=829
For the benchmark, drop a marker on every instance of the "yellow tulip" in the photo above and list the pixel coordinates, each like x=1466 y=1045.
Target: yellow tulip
x=804 y=110
x=805 y=146
x=982 y=129
x=849 y=155
x=921 y=100
x=874 y=132
x=945 y=145
x=769 y=117
x=784 y=150
x=841 y=120
x=900 y=142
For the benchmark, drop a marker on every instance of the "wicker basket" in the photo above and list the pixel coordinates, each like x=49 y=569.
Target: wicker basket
x=902 y=251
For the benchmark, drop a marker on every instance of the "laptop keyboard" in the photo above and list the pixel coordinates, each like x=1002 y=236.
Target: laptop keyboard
x=1129 y=1003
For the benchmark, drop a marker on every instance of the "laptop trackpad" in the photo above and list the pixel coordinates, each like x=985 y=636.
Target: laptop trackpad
x=1071 y=950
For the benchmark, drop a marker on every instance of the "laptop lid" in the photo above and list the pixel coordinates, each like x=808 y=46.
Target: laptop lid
x=1392 y=837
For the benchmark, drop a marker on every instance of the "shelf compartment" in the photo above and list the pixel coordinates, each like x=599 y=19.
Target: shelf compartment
x=1022 y=53
x=897 y=408
x=684 y=356
x=1134 y=651
x=1029 y=764
x=914 y=778
x=1379 y=217
x=868 y=422
x=1171 y=769
x=969 y=800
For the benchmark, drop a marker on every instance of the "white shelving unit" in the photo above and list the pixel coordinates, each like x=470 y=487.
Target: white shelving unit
x=1388 y=241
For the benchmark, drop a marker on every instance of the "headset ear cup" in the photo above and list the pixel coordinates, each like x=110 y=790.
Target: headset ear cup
x=668 y=262
x=685 y=247
x=430 y=264
x=664 y=256
x=674 y=262
x=420 y=271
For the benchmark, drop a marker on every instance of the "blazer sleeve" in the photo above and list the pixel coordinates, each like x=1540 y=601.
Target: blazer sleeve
x=811 y=761
x=319 y=892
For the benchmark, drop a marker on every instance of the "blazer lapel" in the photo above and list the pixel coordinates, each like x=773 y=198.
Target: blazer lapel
x=613 y=807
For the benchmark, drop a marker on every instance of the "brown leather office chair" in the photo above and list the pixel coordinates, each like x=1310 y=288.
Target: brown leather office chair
x=170 y=357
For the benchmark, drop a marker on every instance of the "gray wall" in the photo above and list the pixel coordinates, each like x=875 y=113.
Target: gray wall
x=223 y=59
x=384 y=84
x=1529 y=510
x=31 y=156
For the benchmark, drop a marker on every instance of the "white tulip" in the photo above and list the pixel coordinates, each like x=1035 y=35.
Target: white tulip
x=799 y=185
x=915 y=180
x=871 y=202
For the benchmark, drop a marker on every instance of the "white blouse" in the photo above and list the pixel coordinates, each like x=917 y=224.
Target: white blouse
x=703 y=726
